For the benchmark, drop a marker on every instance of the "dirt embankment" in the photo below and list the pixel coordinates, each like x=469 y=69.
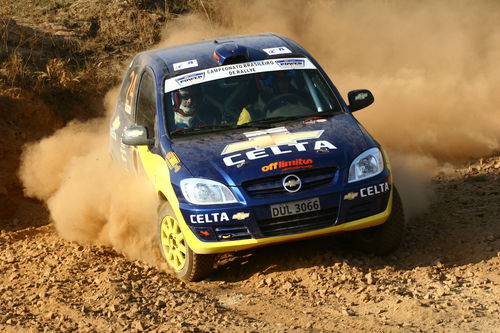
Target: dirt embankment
x=58 y=59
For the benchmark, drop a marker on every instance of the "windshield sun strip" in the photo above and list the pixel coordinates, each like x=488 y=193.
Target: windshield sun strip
x=216 y=73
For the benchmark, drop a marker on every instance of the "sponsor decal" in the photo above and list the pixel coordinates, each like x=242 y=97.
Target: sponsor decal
x=187 y=80
x=209 y=218
x=267 y=138
x=277 y=50
x=240 y=216
x=237 y=69
x=360 y=96
x=374 y=190
x=368 y=191
x=185 y=64
x=130 y=94
x=220 y=72
x=351 y=196
x=272 y=142
x=291 y=63
x=241 y=71
x=298 y=163
x=173 y=161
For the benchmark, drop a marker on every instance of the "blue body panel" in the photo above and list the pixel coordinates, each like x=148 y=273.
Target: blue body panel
x=341 y=140
x=202 y=154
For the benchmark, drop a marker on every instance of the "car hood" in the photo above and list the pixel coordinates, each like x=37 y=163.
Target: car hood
x=235 y=156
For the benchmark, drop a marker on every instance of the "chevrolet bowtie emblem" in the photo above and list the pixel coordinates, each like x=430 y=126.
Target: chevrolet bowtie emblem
x=292 y=183
x=351 y=195
x=273 y=137
x=240 y=216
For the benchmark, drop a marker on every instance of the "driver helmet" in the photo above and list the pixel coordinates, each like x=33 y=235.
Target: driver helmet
x=281 y=84
x=185 y=106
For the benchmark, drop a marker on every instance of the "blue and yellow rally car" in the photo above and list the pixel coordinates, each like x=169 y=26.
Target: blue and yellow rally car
x=247 y=143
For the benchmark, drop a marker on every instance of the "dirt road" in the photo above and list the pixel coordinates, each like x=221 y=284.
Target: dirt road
x=57 y=60
x=445 y=278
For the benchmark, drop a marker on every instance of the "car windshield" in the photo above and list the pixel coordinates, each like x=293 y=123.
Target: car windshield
x=242 y=96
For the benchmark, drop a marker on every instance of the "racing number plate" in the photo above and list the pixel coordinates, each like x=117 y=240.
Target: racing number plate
x=295 y=207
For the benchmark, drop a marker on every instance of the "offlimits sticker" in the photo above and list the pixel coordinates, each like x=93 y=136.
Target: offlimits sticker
x=298 y=163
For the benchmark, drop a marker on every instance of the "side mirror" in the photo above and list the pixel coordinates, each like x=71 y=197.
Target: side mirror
x=137 y=136
x=359 y=99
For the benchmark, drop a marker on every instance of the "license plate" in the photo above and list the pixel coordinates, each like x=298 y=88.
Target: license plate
x=295 y=207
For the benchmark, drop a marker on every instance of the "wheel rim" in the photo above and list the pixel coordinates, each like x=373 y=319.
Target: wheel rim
x=173 y=243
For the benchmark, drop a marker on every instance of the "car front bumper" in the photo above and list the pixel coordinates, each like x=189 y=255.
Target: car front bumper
x=219 y=230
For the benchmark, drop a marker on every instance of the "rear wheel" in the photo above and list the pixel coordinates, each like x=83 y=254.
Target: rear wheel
x=186 y=264
x=384 y=238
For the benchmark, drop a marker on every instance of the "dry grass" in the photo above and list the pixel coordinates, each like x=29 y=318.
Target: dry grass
x=75 y=45
x=69 y=53
x=35 y=60
x=57 y=73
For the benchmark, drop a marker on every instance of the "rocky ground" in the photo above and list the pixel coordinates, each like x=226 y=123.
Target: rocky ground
x=445 y=278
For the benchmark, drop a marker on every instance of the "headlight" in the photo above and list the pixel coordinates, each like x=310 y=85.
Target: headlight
x=206 y=192
x=368 y=164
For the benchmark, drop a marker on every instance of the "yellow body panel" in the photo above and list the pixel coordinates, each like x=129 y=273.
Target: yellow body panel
x=157 y=171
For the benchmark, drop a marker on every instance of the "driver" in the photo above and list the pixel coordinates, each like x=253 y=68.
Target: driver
x=191 y=110
x=188 y=102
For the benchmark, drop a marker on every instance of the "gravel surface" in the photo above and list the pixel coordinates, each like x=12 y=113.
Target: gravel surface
x=445 y=277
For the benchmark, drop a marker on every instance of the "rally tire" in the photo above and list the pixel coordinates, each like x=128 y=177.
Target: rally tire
x=387 y=237
x=186 y=264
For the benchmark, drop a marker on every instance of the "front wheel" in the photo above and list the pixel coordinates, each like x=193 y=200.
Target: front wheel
x=386 y=237
x=186 y=264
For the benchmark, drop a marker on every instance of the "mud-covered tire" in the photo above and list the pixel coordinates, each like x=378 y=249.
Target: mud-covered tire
x=186 y=264
x=387 y=237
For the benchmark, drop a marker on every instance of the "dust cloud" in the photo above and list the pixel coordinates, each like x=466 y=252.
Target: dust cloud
x=90 y=198
x=432 y=66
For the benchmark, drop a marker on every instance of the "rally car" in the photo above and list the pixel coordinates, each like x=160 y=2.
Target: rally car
x=248 y=143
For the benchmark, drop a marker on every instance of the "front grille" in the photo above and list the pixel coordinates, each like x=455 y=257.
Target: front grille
x=271 y=186
x=232 y=232
x=293 y=224
x=367 y=208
